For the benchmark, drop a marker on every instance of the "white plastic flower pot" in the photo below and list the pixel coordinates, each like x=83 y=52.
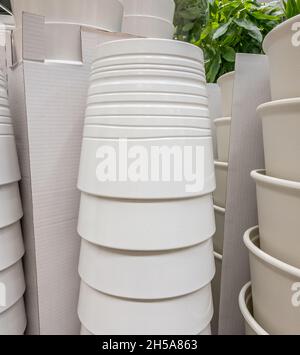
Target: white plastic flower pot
x=148 y=49
x=158 y=225
x=184 y=271
x=278 y=204
x=9 y=171
x=223 y=126
x=93 y=180
x=13 y=321
x=11 y=245
x=216 y=284
x=282 y=48
x=246 y=307
x=281 y=124
x=103 y=14
x=164 y=9
x=103 y=314
x=115 y=132
x=147 y=109
x=13 y=284
x=221 y=183
x=148 y=26
x=275 y=290
x=10 y=205
x=148 y=121
x=226 y=83
x=219 y=235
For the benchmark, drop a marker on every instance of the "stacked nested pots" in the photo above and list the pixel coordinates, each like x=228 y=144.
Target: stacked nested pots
x=62 y=18
x=146 y=260
x=274 y=246
x=152 y=19
x=12 y=284
x=222 y=125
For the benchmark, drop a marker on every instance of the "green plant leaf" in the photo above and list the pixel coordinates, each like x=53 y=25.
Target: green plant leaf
x=228 y=53
x=252 y=29
x=222 y=30
x=213 y=68
x=187 y=27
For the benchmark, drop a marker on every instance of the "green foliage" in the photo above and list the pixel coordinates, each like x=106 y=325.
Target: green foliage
x=291 y=8
x=190 y=18
x=234 y=26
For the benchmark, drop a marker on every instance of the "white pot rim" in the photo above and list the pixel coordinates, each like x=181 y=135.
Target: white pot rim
x=220 y=209
x=260 y=176
x=227 y=76
x=246 y=313
x=278 y=31
x=251 y=236
x=279 y=106
x=141 y=46
x=221 y=164
x=218 y=256
x=222 y=120
x=150 y=17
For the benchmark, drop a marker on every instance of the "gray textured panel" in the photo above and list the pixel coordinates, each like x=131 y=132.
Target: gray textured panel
x=251 y=89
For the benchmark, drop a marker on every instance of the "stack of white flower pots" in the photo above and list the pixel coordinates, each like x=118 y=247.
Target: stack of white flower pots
x=153 y=19
x=274 y=246
x=146 y=260
x=12 y=284
x=222 y=125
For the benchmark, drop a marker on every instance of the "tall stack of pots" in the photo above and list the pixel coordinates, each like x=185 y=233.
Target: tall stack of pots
x=12 y=283
x=274 y=246
x=153 y=19
x=223 y=126
x=146 y=260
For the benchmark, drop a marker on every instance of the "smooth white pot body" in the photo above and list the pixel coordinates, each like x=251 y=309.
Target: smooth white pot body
x=223 y=126
x=221 y=183
x=10 y=205
x=219 y=235
x=147 y=275
x=92 y=181
x=103 y=14
x=148 y=26
x=226 y=83
x=13 y=284
x=102 y=314
x=13 y=321
x=246 y=307
x=278 y=204
x=150 y=121
x=275 y=289
x=11 y=245
x=282 y=48
x=158 y=225
x=281 y=124
x=164 y=9
x=9 y=172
